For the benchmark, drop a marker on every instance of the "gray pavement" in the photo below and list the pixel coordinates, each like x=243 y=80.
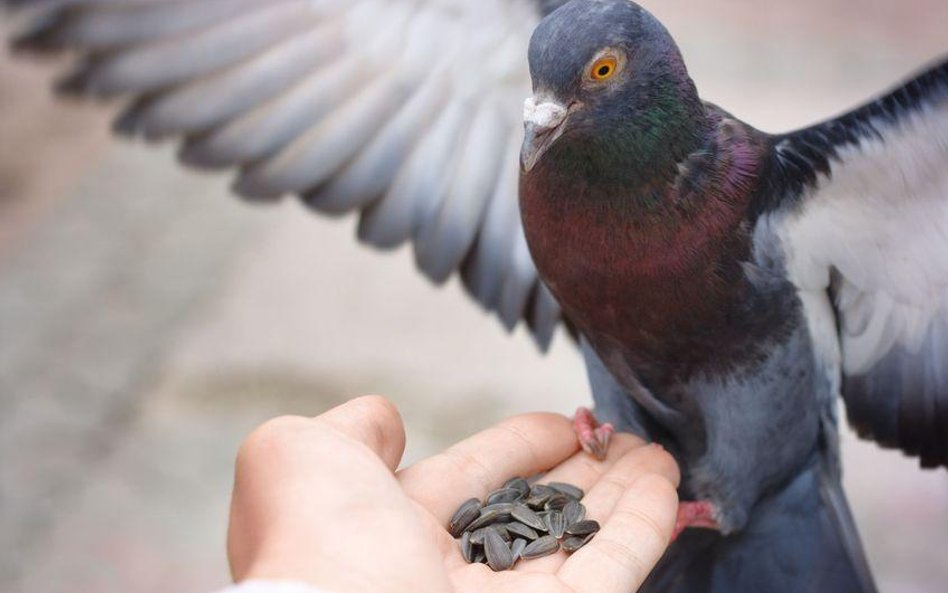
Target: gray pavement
x=148 y=321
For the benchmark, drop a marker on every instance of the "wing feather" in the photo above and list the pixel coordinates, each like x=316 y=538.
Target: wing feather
x=101 y=27
x=414 y=195
x=863 y=215
x=491 y=259
x=278 y=123
x=404 y=111
x=444 y=239
x=312 y=159
x=156 y=65
x=221 y=97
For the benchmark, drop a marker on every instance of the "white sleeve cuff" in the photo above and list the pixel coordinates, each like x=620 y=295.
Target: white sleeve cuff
x=261 y=586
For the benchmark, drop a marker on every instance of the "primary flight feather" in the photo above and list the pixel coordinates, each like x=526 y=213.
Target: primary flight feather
x=726 y=285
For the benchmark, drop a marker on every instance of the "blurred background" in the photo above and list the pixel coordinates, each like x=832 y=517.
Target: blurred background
x=148 y=320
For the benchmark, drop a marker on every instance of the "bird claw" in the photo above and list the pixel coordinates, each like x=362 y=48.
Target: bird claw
x=593 y=437
x=701 y=514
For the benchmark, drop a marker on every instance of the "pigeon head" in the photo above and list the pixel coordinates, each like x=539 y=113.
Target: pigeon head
x=610 y=90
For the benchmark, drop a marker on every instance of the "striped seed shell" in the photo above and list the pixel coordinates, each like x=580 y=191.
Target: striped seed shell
x=556 y=524
x=503 y=495
x=567 y=489
x=541 y=491
x=520 y=485
x=543 y=546
x=500 y=507
x=521 y=530
x=492 y=514
x=499 y=556
x=583 y=528
x=536 y=502
x=574 y=542
x=557 y=502
x=574 y=512
x=528 y=517
x=464 y=516
x=467 y=549
x=517 y=548
x=477 y=536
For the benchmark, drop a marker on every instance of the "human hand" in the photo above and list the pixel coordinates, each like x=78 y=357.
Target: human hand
x=318 y=500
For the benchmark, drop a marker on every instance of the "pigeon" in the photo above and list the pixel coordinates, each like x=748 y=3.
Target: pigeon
x=726 y=286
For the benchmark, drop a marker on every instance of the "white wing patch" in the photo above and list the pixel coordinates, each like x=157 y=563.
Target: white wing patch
x=877 y=229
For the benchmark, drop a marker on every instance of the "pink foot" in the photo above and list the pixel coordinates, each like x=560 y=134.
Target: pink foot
x=700 y=514
x=593 y=438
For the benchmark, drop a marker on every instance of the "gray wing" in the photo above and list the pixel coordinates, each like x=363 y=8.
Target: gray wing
x=404 y=111
x=861 y=209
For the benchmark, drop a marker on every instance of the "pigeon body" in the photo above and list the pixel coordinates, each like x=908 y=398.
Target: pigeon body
x=726 y=286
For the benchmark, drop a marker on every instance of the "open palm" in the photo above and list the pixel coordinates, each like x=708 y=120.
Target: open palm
x=319 y=500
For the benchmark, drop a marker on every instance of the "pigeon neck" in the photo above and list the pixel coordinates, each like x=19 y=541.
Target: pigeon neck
x=655 y=263
x=639 y=147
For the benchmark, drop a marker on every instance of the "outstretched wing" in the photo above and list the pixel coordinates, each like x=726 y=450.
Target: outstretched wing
x=861 y=207
x=406 y=111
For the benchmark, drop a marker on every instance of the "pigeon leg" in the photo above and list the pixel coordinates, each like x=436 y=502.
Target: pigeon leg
x=593 y=437
x=700 y=514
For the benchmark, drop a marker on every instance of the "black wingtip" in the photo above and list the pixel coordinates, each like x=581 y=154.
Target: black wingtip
x=246 y=187
x=190 y=155
x=73 y=84
x=800 y=158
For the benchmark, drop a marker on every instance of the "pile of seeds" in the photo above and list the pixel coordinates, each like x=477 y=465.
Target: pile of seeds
x=522 y=521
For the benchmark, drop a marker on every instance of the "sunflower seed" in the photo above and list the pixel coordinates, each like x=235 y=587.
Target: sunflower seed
x=528 y=517
x=573 y=543
x=541 y=490
x=477 y=536
x=498 y=553
x=557 y=502
x=510 y=524
x=503 y=495
x=500 y=507
x=567 y=489
x=465 y=515
x=520 y=485
x=517 y=548
x=492 y=514
x=502 y=530
x=583 y=528
x=521 y=530
x=555 y=524
x=544 y=546
x=467 y=550
x=574 y=512
x=536 y=503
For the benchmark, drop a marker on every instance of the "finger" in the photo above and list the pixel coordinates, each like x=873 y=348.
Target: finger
x=602 y=497
x=624 y=552
x=605 y=482
x=584 y=470
x=521 y=446
x=373 y=421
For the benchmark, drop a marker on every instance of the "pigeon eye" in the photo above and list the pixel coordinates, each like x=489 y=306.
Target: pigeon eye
x=603 y=68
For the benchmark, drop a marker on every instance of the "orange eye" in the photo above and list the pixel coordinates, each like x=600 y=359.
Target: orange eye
x=603 y=68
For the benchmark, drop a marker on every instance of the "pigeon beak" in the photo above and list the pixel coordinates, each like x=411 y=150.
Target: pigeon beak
x=543 y=124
